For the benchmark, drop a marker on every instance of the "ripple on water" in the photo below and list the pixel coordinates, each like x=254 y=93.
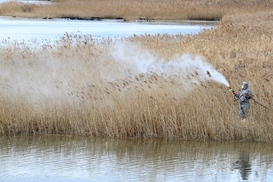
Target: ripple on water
x=59 y=158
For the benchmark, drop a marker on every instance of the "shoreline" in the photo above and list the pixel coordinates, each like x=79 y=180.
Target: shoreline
x=159 y=22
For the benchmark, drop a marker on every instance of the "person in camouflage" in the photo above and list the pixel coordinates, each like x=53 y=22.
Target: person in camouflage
x=243 y=96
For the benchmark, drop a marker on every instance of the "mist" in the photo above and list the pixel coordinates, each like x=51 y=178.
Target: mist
x=190 y=68
x=62 y=78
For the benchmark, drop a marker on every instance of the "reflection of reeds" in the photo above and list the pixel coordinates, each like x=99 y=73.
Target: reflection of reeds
x=76 y=87
x=134 y=9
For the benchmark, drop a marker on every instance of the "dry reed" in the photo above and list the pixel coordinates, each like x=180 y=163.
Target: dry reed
x=134 y=9
x=77 y=86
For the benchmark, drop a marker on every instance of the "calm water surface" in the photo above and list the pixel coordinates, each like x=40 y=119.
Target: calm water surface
x=21 y=29
x=65 y=158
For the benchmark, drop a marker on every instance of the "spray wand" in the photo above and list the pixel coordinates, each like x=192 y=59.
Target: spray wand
x=256 y=102
x=231 y=90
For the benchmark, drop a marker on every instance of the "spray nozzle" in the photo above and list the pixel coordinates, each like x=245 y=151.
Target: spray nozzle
x=231 y=90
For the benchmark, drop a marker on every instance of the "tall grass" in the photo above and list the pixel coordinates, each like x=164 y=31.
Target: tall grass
x=134 y=9
x=80 y=86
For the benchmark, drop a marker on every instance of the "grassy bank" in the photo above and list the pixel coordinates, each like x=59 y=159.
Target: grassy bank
x=83 y=86
x=134 y=9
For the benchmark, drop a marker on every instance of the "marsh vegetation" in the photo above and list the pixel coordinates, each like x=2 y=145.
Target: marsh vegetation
x=84 y=86
x=134 y=9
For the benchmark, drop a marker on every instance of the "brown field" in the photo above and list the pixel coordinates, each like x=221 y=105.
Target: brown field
x=78 y=86
x=135 y=9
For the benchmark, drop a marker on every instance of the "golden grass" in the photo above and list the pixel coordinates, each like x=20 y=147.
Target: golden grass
x=134 y=9
x=77 y=86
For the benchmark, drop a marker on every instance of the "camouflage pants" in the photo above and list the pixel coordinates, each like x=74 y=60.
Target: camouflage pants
x=244 y=108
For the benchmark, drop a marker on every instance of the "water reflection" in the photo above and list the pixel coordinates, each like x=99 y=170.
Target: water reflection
x=67 y=158
x=244 y=165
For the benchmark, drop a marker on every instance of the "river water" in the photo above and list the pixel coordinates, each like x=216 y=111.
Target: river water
x=20 y=29
x=67 y=158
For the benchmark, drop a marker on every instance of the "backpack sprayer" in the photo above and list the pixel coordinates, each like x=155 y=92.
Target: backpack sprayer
x=234 y=93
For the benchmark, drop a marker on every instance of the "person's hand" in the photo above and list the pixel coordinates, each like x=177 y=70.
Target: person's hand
x=232 y=91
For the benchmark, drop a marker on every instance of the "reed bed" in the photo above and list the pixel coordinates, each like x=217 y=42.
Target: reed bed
x=134 y=9
x=84 y=86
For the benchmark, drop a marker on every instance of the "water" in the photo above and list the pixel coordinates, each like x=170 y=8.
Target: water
x=66 y=158
x=20 y=29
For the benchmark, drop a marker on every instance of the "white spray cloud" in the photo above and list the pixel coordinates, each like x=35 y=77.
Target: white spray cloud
x=36 y=81
x=138 y=60
x=55 y=81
